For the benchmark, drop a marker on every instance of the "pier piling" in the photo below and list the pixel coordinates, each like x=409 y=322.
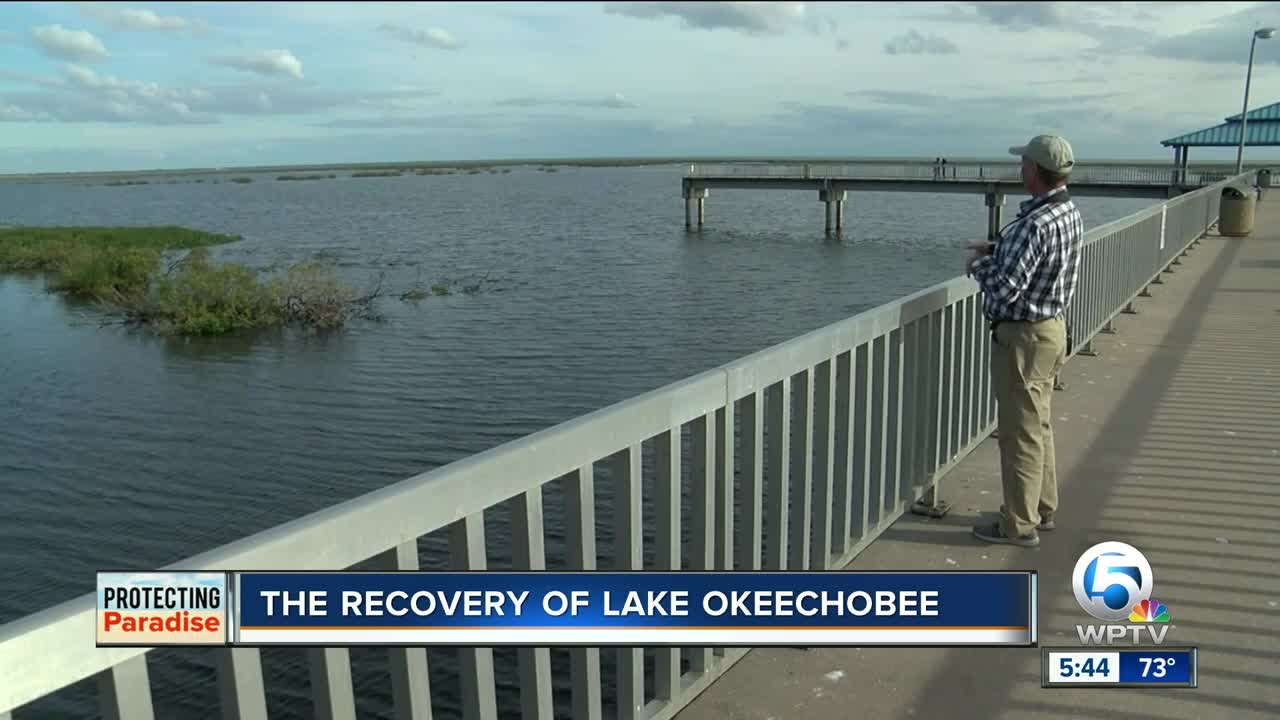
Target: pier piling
x=694 y=198
x=995 y=209
x=834 y=201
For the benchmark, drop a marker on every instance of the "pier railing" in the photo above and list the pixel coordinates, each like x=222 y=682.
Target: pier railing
x=1153 y=174
x=1121 y=259
x=801 y=455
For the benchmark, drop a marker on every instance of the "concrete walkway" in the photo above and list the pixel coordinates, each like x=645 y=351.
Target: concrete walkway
x=1169 y=441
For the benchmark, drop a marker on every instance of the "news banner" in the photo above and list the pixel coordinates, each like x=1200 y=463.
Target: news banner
x=1112 y=582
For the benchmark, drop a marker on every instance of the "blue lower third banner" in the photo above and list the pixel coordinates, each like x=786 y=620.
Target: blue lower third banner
x=743 y=609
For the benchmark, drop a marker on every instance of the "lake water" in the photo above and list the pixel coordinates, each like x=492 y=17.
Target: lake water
x=125 y=450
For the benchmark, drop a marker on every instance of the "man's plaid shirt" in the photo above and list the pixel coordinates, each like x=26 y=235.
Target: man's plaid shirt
x=1032 y=273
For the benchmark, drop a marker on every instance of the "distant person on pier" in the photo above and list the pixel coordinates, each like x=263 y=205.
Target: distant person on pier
x=1028 y=277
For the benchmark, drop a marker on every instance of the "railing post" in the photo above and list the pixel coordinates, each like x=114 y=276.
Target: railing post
x=752 y=528
x=124 y=691
x=410 y=679
x=725 y=472
x=240 y=683
x=801 y=470
x=931 y=503
x=628 y=555
x=823 y=447
x=666 y=539
x=530 y=554
x=778 y=427
x=332 y=693
x=861 y=380
x=580 y=536
x=846 y=425
x=467 y=551
x=880 y=419
x=702 y=522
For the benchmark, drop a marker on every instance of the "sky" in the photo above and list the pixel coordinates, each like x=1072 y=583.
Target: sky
x=133 y=86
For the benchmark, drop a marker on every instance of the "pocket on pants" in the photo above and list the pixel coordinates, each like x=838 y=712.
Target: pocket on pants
x=1033 y=355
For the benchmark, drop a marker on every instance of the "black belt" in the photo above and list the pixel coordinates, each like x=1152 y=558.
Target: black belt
x=997 y=323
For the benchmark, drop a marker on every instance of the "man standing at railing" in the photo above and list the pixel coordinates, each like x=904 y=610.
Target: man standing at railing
x=1028 y=277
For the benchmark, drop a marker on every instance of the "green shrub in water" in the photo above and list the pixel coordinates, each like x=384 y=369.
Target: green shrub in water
x=106 y=273
x=202 y=298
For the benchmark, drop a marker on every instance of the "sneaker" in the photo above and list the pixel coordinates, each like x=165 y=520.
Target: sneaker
x=1046 y=523
x=993 y=534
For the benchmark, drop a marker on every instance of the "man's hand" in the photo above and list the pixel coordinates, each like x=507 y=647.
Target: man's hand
x=977 y=249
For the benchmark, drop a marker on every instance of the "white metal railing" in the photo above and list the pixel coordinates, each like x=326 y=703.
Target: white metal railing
x=1100 y=173
x=801 y=455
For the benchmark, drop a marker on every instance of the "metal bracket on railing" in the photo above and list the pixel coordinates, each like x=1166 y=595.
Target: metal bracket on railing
x=930 y=505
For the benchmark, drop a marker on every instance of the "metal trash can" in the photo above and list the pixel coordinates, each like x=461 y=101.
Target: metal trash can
x=1264 y=178
x=1235 y=214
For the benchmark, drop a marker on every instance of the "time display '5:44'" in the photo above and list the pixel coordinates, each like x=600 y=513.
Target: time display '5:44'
x=1069 y=667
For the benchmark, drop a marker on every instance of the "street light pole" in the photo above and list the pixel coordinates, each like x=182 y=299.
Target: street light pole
x=1263 y=33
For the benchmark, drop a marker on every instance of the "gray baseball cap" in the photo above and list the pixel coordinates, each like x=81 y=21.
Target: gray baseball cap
x=1050 y=152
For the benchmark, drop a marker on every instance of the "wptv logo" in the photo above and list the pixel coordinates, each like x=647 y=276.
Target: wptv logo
x=1113 y=582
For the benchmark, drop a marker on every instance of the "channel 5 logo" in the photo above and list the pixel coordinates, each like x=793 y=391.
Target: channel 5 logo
x=1113 y=583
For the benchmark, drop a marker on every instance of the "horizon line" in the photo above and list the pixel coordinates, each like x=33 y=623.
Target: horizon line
x=606 y=161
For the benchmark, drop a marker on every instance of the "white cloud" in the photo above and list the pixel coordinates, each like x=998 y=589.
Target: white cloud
x=81 y=94
x=263 y=62
x=756 y=18
x=615 y=101
x=438 y=38
x=128 y=100
x=13 y=113
x=84 y=95
x=1224 y=41
x=1023 y=15
x=141 y=20
x=914 y=43
x=74 y=45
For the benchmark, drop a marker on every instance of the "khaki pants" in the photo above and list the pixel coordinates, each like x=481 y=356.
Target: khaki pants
x=1025 y=359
